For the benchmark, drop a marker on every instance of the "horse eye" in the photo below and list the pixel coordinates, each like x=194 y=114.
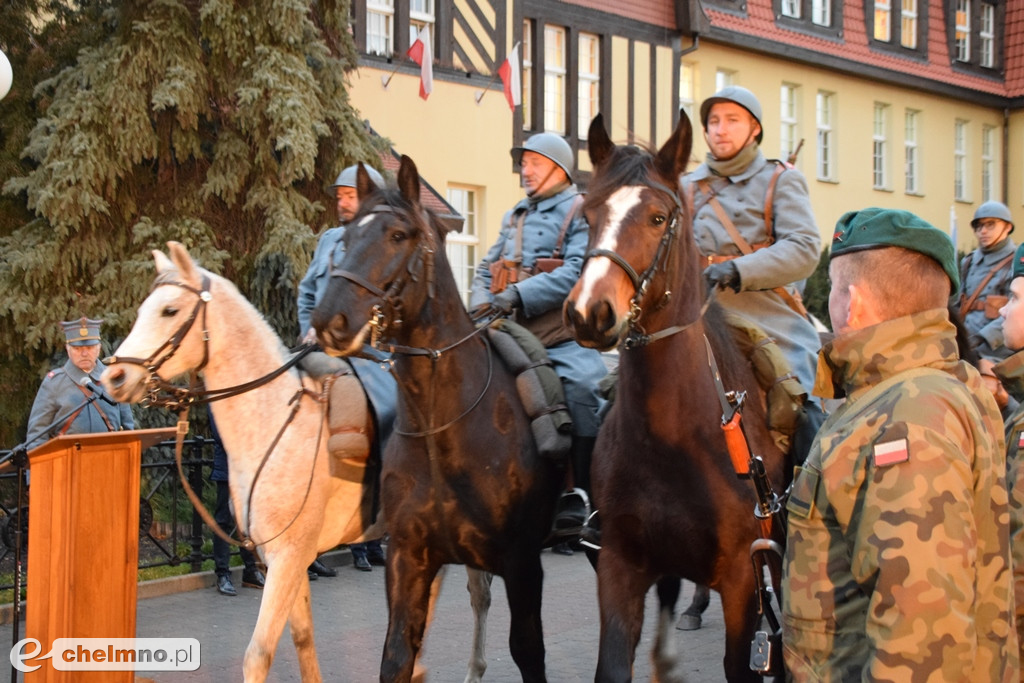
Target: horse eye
x=398 y=236
x=169 y=312
x=658 y=220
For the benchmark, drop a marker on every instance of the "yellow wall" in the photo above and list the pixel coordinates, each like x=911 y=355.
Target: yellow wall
x=450 y=137
x=855 y=98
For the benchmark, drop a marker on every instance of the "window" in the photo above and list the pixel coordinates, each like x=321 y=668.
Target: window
x=527 y=77
x=963 y=30
x=988 y=163
x=987 y=36
x=462 y=247
x=880 y=151
x=723 y=78
x=825 y=106
x=883 y=10
x=687 y=88
x=554 y=79
x=911 y=152
x=380 y=15
x=908 y=24
x=788 y=116
x=960 y=160
x=589 y=81
x=821 y=12
x=791 y=9
x=421 y=14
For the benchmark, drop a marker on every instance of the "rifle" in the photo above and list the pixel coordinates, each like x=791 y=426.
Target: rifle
x=766 y=648
x=791 y=159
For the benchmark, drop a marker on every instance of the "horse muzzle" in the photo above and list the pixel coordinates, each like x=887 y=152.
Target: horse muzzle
x=596 y=326
x=124 y=383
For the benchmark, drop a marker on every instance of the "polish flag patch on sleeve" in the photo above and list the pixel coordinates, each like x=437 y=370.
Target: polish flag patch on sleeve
x=1020 y=440
x=891 y=452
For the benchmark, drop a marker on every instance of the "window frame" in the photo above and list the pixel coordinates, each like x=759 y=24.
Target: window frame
x=825 y=161
x=880 y=135
x=911 y=152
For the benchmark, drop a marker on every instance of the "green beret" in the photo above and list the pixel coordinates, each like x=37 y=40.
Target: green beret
x=875 y=228
x=1018 y=262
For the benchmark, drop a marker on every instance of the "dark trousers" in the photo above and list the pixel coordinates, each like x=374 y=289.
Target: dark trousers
x=226 y=521
x=367 y=548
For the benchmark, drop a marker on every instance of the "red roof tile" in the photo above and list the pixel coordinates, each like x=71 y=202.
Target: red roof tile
x=854 y=46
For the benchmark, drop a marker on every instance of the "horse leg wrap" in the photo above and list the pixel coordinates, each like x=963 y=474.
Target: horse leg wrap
x=347 y=417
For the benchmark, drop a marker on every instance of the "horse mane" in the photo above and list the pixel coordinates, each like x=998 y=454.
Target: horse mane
x=627 y=165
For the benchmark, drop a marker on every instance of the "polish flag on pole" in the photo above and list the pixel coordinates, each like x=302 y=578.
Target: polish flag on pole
x=421 y=53
x=509 y=73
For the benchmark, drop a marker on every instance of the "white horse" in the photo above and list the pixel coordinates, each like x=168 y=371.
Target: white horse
x=285 y=490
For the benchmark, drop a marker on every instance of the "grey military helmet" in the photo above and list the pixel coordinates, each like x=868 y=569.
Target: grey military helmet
x=347 y=178
x=550 y=145
x=993 y=209
x=737 y=95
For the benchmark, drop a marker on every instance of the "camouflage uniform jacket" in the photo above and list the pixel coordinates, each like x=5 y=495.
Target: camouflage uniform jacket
x=897 y=566
x=1011 y=373
x=982 y=321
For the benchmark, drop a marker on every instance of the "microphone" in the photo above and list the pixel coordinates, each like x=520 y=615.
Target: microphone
x=87 y=383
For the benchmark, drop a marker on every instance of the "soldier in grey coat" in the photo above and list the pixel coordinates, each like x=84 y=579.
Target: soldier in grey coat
x=753 y=224
x=72 y=391
x=514 y=278
x=985 y=278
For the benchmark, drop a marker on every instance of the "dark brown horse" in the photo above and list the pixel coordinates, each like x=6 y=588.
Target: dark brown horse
x=669 y=499
x=462 y=482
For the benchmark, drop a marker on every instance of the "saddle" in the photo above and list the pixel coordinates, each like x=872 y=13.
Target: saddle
x=538 y=385
x=347 y=442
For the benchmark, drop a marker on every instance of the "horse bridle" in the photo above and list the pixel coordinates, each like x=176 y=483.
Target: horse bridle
x=383 y=314
x=180 y=399
x=388 y=312
x=637 y=335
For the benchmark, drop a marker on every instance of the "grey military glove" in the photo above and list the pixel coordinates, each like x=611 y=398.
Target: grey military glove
x=507 y=301
x=722 y=275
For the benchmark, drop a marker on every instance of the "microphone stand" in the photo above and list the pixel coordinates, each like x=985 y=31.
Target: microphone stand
x=19 y=458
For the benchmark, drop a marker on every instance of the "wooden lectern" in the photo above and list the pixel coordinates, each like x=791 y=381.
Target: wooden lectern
x=83 y=542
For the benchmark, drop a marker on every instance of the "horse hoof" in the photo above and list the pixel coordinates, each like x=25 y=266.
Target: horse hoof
x=688 y=622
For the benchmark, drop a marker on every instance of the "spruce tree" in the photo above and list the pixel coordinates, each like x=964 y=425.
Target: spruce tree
x=217 y=123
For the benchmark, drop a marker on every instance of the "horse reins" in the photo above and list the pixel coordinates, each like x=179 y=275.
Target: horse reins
x=641 y=282
x=180 y=399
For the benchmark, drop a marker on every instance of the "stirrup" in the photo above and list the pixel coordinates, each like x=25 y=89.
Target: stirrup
x=590 y=534
x=571 y=513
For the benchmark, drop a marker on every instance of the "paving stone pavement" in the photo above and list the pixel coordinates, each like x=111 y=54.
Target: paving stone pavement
x=350 y=618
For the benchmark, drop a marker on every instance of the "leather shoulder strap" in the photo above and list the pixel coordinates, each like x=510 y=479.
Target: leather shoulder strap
x=965 y=306
x=577 y=202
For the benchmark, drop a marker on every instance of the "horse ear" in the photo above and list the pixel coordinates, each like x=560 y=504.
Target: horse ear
x=599 y=145
x=181 y=258
x=364 y=184
x=674 y=155
x=409 y=181
x=163 y=263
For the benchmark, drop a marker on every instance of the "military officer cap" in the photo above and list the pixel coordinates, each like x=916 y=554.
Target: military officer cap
x=1018 y=262
x=875 y=228
x=82 y=332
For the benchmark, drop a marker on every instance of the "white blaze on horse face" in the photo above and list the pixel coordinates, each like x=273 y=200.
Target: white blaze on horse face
x=619 y=204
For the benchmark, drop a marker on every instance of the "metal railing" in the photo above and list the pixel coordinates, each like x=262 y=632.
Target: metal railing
x=171 y=532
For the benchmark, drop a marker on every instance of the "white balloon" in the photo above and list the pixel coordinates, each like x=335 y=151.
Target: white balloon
x=6 y=75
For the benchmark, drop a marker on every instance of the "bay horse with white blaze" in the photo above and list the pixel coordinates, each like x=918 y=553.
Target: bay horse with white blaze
x=288 y=498
x=462 y=481
x=670 y=501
